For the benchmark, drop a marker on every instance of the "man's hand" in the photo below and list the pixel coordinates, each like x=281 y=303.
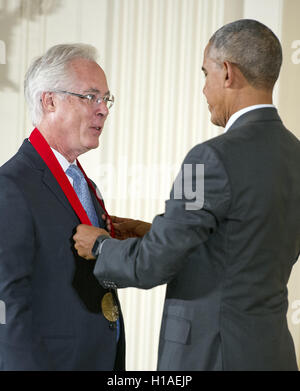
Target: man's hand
x=128 y=228
x=125 y=228
x=85 y=238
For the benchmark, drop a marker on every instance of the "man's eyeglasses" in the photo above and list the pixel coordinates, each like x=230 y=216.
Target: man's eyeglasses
x=92 y=98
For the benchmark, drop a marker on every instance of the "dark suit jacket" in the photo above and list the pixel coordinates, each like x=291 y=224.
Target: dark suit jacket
x=53 y=314
x=227 y=264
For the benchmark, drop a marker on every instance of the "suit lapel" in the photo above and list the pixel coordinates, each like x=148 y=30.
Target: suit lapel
x=33 y=158
x=54 y=187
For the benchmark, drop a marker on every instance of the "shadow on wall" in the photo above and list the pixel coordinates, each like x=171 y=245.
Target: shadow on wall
x=10 y=18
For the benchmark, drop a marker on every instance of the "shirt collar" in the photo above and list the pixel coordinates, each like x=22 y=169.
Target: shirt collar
x=62 y=160
x=239 y=113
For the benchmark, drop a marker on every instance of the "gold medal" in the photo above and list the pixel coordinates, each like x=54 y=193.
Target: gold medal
x=109 y=308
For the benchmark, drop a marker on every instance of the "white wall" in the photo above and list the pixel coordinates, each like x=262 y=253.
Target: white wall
x=151 y=51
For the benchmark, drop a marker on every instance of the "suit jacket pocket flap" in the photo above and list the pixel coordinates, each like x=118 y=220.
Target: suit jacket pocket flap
x=177 y=329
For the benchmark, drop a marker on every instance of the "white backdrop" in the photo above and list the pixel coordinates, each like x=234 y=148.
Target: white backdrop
x=151 y=51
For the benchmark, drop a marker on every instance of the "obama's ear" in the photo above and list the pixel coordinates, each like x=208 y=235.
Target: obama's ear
x=229 y=74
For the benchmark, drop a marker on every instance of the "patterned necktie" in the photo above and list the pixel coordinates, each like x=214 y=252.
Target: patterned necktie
x=82 y=190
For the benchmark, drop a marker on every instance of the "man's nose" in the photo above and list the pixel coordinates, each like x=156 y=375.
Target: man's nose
x=102 y=109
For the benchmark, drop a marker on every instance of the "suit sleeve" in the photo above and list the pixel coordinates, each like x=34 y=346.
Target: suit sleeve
x=18 y=349
x=187 y=223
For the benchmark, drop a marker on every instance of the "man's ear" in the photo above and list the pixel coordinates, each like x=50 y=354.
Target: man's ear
x=48 y=101
x=228 y=74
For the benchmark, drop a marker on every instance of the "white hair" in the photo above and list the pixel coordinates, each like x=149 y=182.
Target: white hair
x=50 y=72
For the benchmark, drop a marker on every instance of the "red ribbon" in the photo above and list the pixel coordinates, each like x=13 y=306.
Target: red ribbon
x=43 y=149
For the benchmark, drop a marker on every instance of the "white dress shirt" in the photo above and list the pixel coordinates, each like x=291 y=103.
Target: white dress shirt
x=236 y=115
x=63 y=162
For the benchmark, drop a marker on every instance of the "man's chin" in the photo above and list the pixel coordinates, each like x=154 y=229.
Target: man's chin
x=94 y=145
x=92 y=142
x=216 y=121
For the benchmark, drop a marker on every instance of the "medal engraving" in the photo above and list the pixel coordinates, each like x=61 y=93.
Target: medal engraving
x=109 y=308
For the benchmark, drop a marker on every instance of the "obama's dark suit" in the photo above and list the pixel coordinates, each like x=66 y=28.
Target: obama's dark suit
x=227 y=264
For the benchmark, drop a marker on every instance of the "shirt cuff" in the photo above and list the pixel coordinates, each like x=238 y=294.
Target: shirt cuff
x=100 y=247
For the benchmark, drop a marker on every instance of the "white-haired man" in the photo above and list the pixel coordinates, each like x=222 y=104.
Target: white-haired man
x=58 y=317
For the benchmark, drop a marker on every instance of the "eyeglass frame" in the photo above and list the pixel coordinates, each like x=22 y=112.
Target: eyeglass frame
x=91 y=97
